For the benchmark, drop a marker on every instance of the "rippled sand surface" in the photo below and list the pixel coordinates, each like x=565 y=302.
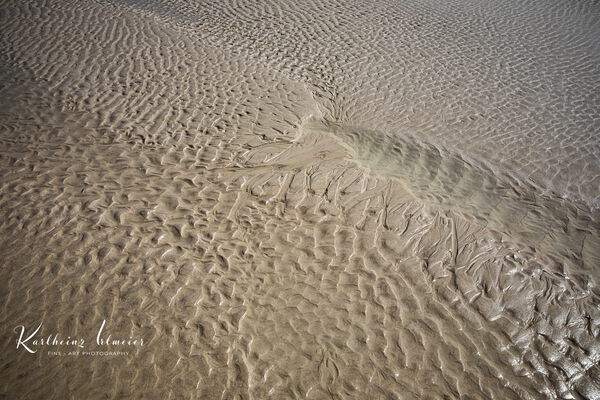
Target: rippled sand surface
x=301 y=199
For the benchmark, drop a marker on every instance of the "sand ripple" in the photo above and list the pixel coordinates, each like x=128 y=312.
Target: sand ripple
x=280 y=199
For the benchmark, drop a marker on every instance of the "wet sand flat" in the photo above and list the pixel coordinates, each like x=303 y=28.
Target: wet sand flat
x=299 y=200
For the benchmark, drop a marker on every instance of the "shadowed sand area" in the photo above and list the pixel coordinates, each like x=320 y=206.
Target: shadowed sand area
x=300 y=199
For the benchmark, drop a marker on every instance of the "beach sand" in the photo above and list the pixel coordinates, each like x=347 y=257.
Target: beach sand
x=299 y=199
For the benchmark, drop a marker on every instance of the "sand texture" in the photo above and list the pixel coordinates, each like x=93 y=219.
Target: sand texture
x=301 y=199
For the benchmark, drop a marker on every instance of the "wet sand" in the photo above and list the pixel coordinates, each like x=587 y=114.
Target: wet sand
x=299 y=200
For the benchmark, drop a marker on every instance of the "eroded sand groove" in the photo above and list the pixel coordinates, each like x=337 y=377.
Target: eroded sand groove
x=516 y=83
x=190 y=194
x=493 y=198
